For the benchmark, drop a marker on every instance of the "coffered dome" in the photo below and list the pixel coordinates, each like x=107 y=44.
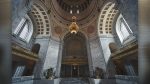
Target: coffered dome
x=74 y=6
x=84 y=10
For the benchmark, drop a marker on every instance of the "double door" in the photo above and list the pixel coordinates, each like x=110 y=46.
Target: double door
x=74 y=71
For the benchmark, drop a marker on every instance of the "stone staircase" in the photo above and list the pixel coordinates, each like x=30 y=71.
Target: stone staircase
x=74 y=81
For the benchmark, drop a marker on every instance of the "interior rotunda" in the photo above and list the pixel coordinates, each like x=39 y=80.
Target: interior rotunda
x=74 y=42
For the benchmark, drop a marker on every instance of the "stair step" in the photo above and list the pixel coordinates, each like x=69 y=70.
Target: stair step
x=74 y=81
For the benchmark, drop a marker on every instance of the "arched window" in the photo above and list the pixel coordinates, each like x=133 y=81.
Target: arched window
x=24 y=29
x=19 y=26
x=123 y=30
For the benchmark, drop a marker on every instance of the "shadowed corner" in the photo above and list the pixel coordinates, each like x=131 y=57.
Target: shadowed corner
x=5 y=60
x=146 y=61
x=144 y=34
x=3 y=78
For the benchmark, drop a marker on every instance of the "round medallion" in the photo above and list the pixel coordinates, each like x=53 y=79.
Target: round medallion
x=58 y=30
x=90 y=29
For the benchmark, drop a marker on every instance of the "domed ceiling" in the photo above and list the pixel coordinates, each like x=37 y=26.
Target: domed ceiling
x=84 y=10
x=76 y=2
x=58 y=16
x=74 y=6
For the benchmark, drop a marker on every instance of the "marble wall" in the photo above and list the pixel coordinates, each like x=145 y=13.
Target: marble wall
x=97 y=54
x=52 y=55
x=105 y=46
x=44 y=43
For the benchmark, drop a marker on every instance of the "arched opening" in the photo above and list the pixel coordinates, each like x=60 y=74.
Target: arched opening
x=35 y=48
x=42 y=20
x=106 y=19
x=74 y=56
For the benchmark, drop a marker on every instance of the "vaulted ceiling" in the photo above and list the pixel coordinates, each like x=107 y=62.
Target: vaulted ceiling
x=59 y=13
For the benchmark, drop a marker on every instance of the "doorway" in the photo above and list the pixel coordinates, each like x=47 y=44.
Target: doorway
x=74 y=57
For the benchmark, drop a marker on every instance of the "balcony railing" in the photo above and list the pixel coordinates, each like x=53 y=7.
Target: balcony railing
x=125 y=51
x=24 y=53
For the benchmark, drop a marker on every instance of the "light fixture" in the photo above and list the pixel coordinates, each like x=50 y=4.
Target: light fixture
x=73 y=28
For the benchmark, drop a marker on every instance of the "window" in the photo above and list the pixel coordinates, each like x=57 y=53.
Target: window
x=19 y=71
x=19 y=26
x=124 y=32
x=123 y=29
x=24 y=29
x=24 y=32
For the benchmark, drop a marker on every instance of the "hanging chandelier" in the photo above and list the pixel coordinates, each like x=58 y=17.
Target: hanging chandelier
x=73 y=28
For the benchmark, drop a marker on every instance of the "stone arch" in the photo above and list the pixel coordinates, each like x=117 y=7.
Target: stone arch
x=61 y=52
x=106 y=18
x=74 y=48
x=42 y=20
